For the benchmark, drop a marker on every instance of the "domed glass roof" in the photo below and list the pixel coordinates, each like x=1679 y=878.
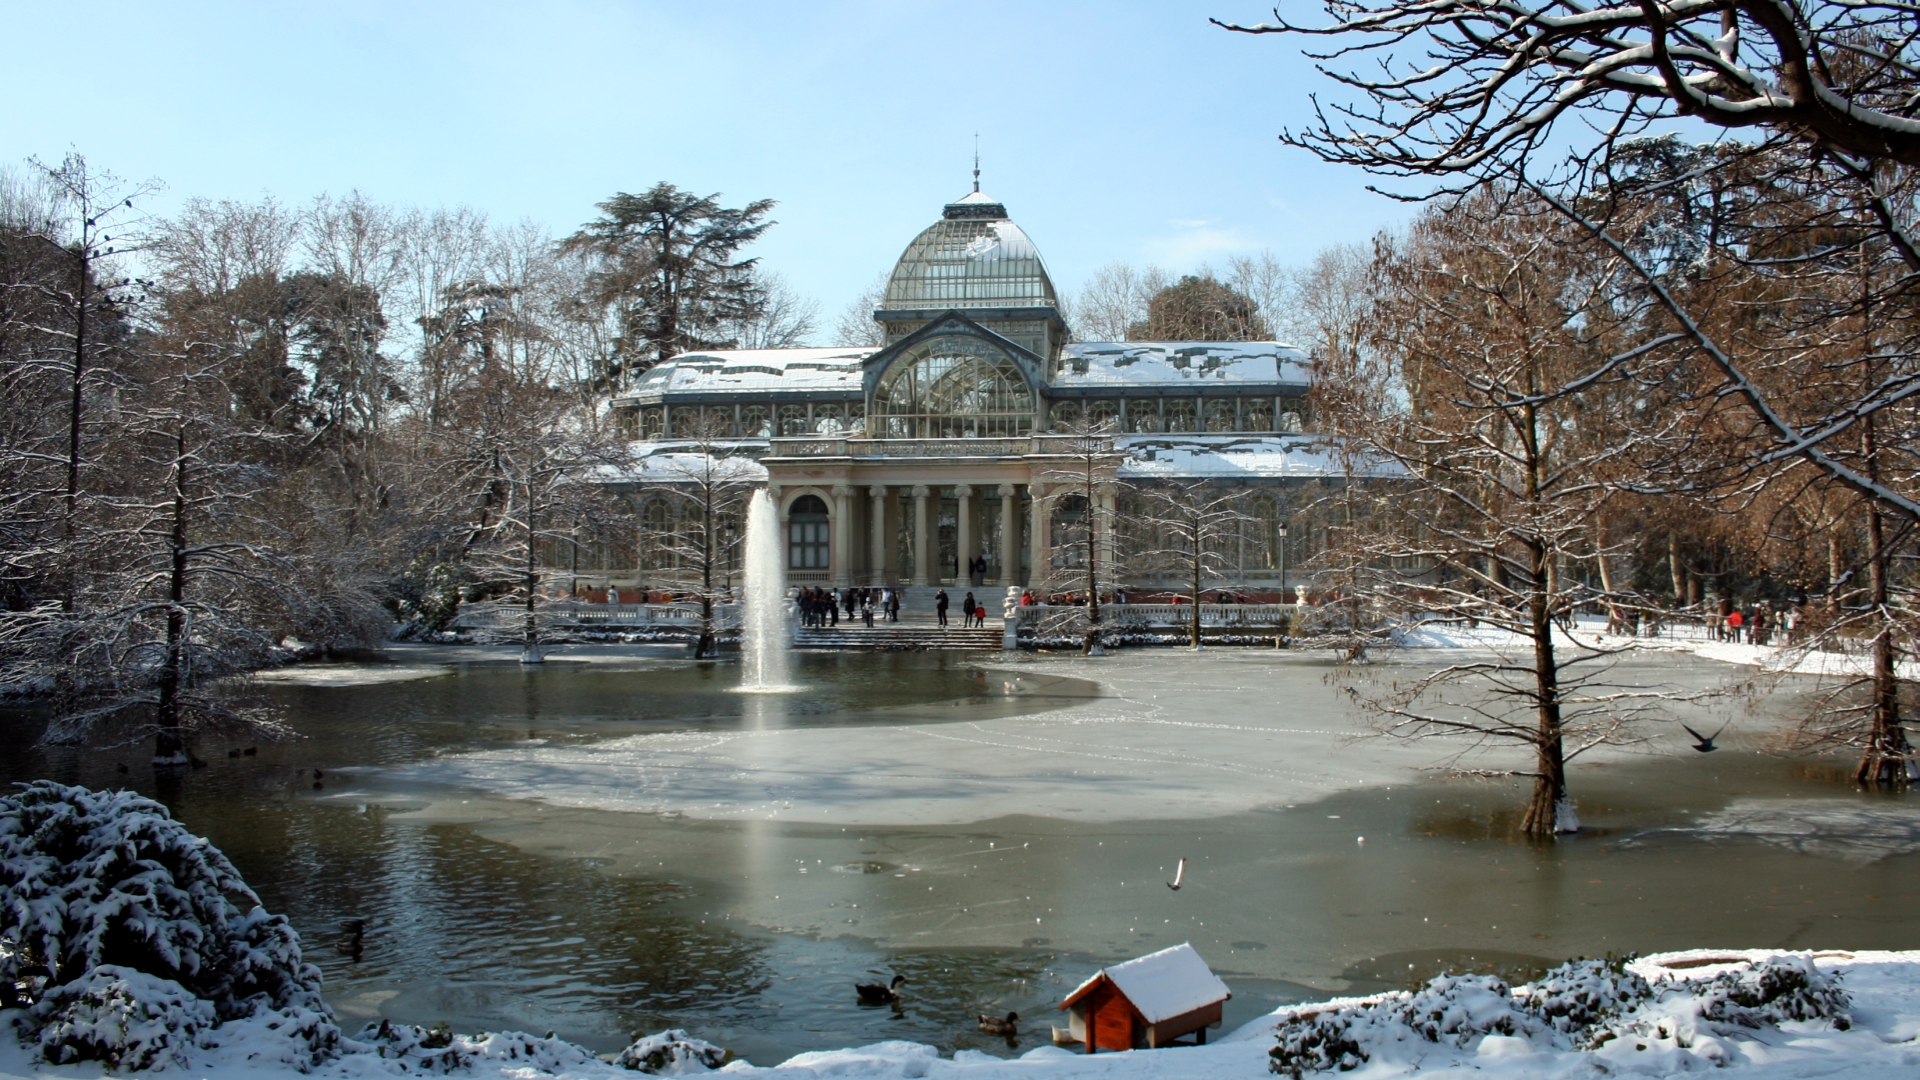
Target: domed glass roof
x=973 y=257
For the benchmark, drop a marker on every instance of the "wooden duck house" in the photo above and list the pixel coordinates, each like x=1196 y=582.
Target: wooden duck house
x=1145 y=1003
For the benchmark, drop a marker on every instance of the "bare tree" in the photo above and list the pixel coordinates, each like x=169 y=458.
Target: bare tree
x=195 y=592
x=785 y=319
x=1114 y=299
x=1500 y=319
x=857 y=325
x=1082 y=477
x=1185 y=530
x=712 y=479
x=88 y=308
x=1464 y=92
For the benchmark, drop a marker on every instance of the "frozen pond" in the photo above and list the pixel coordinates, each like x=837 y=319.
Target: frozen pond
x=615 y=843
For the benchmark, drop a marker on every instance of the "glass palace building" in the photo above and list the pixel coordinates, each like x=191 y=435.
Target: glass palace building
x=900 y=465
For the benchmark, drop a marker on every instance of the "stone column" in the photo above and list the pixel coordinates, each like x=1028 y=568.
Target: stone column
x=1009 y=537
x=922 y=550
x=1037 y=537
x=877 y=535
x=840 y=553
x=963 y=537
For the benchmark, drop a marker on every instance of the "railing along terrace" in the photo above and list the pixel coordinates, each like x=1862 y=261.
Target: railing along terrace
x=1174 y=615
x=568 y=613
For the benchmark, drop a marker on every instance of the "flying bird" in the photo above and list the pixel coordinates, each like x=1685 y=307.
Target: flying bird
x=875 y=994
x=1704 y=743
x=1179 y=876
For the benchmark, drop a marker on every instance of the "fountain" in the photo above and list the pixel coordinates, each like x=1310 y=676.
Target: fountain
x=763 y=623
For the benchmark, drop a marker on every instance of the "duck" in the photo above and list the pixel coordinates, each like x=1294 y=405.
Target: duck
x=875 y=994
x=995 y=1026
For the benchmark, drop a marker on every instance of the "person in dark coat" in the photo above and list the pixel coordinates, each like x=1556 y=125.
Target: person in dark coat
x=940 y=606
x=966 y=611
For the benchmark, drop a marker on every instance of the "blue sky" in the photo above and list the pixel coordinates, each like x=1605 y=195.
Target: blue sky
x=1112 y=131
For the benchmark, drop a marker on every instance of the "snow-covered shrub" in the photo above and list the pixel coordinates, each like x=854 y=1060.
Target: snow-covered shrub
x=1315 y=1042
x=1579 y=994
x=1582 y=1004
x=92 y=880
x=1777 y=989
x=439 y=1050
x=126 y=1019
x=1450 y=1009
x=672 y=1052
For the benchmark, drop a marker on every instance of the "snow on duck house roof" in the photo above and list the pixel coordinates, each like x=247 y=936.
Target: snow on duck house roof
x=1161 y=985
x=1191 y=363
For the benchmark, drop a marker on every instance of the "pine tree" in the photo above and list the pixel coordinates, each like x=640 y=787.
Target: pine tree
x=667 y=265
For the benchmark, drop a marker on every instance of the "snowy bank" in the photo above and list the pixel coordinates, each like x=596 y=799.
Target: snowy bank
x=1657 y=1016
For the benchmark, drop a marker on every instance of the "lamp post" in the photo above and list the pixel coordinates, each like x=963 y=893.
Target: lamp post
x=1283 y=562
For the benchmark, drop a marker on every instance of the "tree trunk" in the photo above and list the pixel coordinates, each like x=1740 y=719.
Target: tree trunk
x=1092 y=646
x=709 y=643
x=170 y=743
x=1549 y=811
x=1674 y=571
x=530 y=633
x=1886 y=762
x=73 y=423
x=1196 y=587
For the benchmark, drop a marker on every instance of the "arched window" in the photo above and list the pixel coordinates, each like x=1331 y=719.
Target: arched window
x=1064 y=414
x=1070 y=525
x=753 y=422
x=793 y=420
x=1179 y=415
x=1262 y=532
x=951 y=387
x=656 y=535
x=826 y=418
x=650 y=421
x=1102 y=412
x=1143 y=415
x=686 y=421
x=1220 y=414
x=1256 y=414
x=807 y=534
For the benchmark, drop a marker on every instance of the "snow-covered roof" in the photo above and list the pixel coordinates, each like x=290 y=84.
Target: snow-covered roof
x=1172 y=457
x=1163 y=985
x=1199 y=364
x=670 y=463
x=735 y=370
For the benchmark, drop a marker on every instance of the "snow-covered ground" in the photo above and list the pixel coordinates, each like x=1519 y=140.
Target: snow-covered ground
x=1680 y=1031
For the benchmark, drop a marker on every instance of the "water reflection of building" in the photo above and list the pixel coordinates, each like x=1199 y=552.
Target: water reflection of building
x=901 y=463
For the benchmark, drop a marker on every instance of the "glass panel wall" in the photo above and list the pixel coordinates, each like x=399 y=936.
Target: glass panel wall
x=952 y=387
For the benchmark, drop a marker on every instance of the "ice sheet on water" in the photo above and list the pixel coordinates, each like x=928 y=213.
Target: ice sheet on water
x=1858 y=833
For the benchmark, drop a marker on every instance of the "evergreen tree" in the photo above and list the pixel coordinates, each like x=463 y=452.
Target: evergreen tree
x=1200 y=309
x=667 y=267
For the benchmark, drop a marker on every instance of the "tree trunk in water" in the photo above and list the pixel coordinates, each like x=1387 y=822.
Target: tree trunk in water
x=530 y=632
x=709 y=643
x=170 y=743
x=1549 y=811
x=1886 y=762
